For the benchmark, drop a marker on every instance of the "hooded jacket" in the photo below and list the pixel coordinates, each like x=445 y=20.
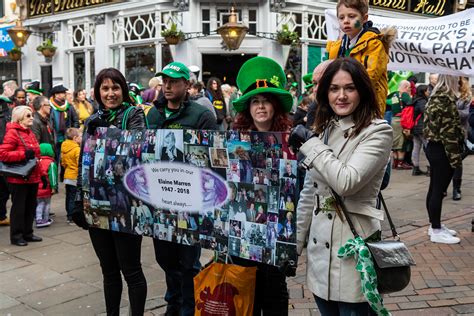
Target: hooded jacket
x=13 y=150
x=48 y=167
x=371 y=50
x=70 y=151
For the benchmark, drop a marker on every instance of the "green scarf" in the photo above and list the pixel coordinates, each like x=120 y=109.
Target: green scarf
x=365 y=265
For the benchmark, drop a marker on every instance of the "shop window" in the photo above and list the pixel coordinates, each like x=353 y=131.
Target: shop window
x=79 y=60
x=166 y=56
x=92 y=67
x=252 y=21
x=140 y=64
x=8 y=71
x=116 y=58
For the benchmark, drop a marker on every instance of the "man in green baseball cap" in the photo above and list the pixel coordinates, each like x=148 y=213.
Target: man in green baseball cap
x=176 y=111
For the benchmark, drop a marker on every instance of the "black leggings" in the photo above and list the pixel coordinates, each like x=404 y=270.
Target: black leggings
x=120 y=252
x=441 y=173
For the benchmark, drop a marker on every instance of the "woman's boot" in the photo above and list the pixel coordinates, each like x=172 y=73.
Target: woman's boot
x=417 y=172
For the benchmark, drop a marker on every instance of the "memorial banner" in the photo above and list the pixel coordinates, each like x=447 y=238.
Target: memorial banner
x=441 y=45
x=233 y=192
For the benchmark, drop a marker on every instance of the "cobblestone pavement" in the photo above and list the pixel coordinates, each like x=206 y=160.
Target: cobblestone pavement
x=61 y=275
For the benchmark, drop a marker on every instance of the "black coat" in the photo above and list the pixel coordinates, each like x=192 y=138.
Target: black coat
x=419 y=105
x=42 y=129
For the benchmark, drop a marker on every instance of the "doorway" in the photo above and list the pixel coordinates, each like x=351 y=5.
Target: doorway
x=223 y=66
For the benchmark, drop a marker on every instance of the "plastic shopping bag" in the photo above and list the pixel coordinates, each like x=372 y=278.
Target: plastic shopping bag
x=225 y=290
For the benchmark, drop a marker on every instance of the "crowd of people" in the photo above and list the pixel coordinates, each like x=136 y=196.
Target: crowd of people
x=349 y=131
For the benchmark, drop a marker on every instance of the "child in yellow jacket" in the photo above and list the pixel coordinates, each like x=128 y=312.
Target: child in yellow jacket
x=364 y=43
x=70 y=150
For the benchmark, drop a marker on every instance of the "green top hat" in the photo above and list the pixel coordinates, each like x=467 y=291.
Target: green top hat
x=308 y=80
x=262 y=75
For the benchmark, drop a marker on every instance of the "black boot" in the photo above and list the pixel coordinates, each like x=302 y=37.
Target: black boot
x=456 y=189
x=416 y=171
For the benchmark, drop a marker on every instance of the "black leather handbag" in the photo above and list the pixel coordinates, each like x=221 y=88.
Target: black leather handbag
x=392 y=259
x=21 y=169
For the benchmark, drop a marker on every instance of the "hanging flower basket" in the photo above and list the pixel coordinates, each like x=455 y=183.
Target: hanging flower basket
x=287 y=37
x=48 y=52
x=47 y=48
x=172 y=35
x=15 y=54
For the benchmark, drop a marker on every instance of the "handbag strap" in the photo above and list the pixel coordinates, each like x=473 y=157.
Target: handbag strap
x=392 y=226
x=21 y=138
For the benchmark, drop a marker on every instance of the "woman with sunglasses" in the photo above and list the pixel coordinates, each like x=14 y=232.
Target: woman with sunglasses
x=20 y=144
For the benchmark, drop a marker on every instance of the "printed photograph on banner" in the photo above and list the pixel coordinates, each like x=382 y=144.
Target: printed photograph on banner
x=100 y=145
x=197 y=156
x=219 y=157
x=286 y=226
x=170 y=145
x=233 y=172
x=218 y=140
x=192 y=137
x=239 y=150
x=149 y=141
x=272 y=234
x=255 y=234
x=233 y=136
x=234 y=246
x=285 y=252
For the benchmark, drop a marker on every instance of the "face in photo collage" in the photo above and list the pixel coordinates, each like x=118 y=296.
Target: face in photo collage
x=258 y=222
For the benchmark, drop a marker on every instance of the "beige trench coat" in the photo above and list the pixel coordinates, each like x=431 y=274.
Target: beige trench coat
x=354 y=168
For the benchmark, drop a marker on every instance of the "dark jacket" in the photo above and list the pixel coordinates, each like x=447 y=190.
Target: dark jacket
x=419 y=105
x=70 y=119
x=13 y=150
x=189 y=116
x=311 y=116
x=135 y=120
x=5 y=116
x=42 y=129
x=298 y=118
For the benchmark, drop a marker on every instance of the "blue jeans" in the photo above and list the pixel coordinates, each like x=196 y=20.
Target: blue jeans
x=181 y=264
x=70 y=197
x=334 y=308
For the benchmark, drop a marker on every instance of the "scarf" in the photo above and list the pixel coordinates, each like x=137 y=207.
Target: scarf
x=55 y=104
x=109 y=115
x=365 y=265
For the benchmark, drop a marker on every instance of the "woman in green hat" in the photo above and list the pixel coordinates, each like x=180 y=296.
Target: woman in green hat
x=264 y=107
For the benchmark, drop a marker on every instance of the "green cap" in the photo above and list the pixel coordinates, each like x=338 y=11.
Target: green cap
x=262 y=75
x=175 y=70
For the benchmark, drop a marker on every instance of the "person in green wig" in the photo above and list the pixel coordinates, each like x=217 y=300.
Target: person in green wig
x=264 y=107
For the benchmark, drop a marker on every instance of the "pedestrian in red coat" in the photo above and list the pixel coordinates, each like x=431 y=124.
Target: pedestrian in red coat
x=20 y=144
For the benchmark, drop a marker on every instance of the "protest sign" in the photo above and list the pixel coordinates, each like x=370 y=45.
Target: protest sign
x=441 y=45
x=233 y=192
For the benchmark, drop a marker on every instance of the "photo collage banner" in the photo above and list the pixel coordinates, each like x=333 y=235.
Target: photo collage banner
x=233 y=192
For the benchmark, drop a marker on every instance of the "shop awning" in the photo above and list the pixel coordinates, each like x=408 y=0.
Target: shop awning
x=6 y=43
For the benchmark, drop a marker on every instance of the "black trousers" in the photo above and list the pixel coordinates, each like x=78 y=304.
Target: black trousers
x=120 y=252
x=271 y=291
x=23 y=210
x=441 y=173
x=4 y=195
x=70 y=197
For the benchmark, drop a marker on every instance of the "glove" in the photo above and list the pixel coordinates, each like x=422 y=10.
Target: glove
x=298 y=136
x=78 y=216
x=94 y=123
x=44 y=182
x=289 y=268
x=29 y=154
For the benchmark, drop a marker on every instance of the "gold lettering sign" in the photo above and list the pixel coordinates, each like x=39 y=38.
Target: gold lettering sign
x=426 y=7
x=48 y=7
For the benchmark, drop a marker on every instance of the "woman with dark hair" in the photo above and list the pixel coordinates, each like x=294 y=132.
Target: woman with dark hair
x=83 y=108
x=419 y=140
x=117 y=252
x=19 y=97
x=349 y=156
x=264 y=107
x=215 y=95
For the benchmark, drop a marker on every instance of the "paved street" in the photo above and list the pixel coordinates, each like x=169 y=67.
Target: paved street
x=61 y=275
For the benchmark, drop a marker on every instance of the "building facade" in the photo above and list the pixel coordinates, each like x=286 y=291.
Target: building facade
x=93 y=34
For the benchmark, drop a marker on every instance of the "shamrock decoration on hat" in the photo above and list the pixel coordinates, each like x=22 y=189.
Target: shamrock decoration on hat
x=262 y=75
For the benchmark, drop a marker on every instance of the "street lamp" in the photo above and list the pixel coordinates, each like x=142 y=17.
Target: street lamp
x=232 y=32
x=19 y=34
